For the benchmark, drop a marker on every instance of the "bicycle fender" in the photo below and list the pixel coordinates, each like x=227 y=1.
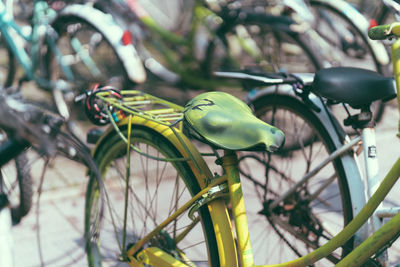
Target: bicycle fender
x=179 y=140
x=361 y=22
x=349 y=160
x=113 y=32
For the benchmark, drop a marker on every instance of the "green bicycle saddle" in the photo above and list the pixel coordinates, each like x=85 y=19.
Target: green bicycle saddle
x=227 y=122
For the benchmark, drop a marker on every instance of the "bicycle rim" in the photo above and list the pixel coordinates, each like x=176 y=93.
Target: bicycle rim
x=346 y=40
x=347 y=45
x=156 y=189
x=90 y=56
x=317 y=210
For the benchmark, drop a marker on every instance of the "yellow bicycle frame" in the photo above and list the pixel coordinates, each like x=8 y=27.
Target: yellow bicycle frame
x=396 y=72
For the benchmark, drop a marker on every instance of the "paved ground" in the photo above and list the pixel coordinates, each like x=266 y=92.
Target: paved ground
x=52 y=232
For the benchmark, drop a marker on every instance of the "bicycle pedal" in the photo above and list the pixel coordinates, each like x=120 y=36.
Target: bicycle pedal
x=94 y=135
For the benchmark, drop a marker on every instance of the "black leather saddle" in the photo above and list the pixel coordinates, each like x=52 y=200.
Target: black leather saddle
x=354 y=86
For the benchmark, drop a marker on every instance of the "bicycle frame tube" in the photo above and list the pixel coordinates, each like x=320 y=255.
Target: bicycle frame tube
x=372 y=178
x=386 y=233
x=43 y=14
x=14 y=36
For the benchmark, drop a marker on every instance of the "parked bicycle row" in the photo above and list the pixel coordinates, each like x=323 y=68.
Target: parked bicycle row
x=294 y=64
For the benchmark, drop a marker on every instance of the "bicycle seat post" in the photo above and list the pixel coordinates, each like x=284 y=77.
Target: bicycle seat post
x=230 y=165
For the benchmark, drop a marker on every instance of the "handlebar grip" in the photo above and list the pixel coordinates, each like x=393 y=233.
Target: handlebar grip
x=380 y=32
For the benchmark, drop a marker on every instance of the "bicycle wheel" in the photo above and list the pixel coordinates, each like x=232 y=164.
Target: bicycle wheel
x=317 y=210
x=262 y=42
x=344 y=37
x=156 y=189
x=90 y=56
x=16 y=183
x=347 y=43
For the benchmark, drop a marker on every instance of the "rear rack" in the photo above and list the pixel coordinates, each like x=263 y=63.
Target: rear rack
x=145 y=106
x=149 y=107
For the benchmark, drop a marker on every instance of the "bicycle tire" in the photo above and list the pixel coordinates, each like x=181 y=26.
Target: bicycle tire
x=108 y=155
x=109 y=68
x=280 y=49
x=17 y=180
x=359 y=53
x=308 y=219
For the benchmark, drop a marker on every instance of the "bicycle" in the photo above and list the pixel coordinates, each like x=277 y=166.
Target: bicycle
x=254 y=45
x=40 y=50
x=42 y=133
x=16 y=181
x=314 y=138
x=348 y=28
x=33 y=46
x=147 y=129
x=212 y=35
x=347 y=43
